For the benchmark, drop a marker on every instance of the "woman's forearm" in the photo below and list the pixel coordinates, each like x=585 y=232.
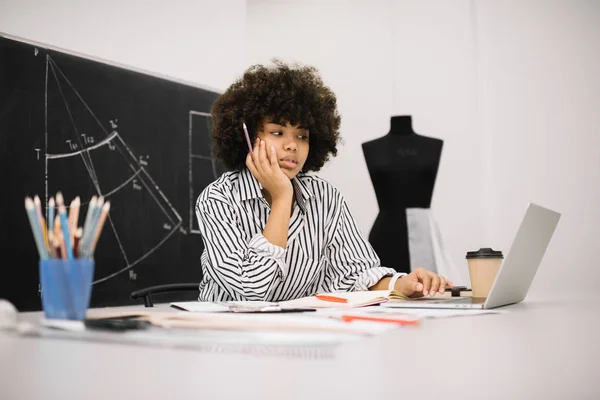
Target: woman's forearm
x=276 y=229
x=382 y=284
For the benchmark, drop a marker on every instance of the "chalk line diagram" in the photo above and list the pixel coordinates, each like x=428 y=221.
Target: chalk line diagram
x=201 y=161
x=99 y=161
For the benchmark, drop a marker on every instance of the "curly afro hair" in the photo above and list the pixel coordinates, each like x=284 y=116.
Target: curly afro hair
x=283 y=93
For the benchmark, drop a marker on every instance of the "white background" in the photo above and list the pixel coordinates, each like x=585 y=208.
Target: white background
x=511 y=86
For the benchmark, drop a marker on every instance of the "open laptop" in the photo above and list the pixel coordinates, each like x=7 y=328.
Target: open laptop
x=516 y=272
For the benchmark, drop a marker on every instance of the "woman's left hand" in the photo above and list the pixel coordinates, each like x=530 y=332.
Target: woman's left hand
x=422 y=282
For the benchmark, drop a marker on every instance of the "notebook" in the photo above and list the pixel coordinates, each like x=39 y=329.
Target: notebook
x=345 y=299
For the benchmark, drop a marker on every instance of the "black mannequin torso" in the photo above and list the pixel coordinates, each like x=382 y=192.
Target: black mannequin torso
x=403 y=168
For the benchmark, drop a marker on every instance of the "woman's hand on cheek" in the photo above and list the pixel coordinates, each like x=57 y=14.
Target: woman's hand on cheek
x=265 y=167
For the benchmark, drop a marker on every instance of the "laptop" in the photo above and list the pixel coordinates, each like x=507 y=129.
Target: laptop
x=516 y=272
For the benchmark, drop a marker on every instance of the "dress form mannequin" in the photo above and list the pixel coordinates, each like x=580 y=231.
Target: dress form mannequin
x=403 y=167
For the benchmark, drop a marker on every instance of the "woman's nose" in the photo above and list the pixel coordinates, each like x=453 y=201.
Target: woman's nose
x=291 y=145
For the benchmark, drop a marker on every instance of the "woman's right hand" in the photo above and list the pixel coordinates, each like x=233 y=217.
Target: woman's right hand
x=266 y=170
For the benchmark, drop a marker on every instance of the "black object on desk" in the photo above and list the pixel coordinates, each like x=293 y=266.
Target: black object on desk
x=276 y=310
x=116 y=324
x=457 y=289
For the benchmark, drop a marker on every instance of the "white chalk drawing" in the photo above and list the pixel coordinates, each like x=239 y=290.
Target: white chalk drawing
x=200 y=159
x=98 y=142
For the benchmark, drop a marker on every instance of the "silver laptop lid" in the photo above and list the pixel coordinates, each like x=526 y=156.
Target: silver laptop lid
x=525 y=255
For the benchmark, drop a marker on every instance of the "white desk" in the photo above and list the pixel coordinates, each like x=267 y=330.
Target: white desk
x=541 y=349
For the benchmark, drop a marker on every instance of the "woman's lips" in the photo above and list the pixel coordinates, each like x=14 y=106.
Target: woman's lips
x=288 y=164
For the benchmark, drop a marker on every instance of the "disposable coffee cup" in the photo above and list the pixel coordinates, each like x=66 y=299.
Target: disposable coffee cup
x=483 y=268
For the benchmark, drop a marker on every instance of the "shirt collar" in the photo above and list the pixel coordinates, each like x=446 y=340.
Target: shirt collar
x=249 y=188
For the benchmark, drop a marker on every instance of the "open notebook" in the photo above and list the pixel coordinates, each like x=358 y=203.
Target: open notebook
x=344 y=299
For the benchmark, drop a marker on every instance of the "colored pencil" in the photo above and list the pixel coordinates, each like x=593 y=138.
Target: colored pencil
x=62 y=212
x=76 y=240
x=62 y=246
x=74 y=218
x=51 y=210
x=53 y=244
x=88 y=220
x=38 y=209
x=36 y=228
x=94 y=225
x=62 y=237
x=101 y=221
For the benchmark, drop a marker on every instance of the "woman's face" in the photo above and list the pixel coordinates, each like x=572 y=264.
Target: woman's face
x=290 y=142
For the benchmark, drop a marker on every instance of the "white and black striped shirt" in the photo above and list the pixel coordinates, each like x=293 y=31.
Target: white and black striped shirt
x=325 y=250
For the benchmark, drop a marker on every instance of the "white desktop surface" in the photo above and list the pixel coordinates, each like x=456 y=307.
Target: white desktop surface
x=547 y=347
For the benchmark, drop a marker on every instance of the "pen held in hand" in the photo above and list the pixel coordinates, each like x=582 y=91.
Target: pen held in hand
x=247 y=137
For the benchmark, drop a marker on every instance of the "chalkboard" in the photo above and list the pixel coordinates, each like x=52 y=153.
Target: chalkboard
x=84 y=127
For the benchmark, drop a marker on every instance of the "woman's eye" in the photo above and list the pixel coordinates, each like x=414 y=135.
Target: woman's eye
x=303 y=137
x=276 y=133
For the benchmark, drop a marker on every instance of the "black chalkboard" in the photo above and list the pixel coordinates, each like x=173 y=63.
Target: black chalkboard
x=76 y=125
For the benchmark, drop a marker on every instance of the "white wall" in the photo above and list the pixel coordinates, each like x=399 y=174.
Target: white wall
x=345 y=42
x=385 y=58
x=197 y=41
x=510 y=86
x=542 y=63
x=434 y=58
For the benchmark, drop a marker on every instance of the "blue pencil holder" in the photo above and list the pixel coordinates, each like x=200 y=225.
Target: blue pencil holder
x=66 y=287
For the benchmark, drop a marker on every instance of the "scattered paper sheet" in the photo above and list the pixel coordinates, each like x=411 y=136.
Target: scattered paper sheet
x=300 y=322
x=330 y=310
x=200 y=306
x=442 y=312
x=421 y=313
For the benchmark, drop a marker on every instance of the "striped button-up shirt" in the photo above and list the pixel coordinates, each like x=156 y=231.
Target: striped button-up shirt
x=325 y=250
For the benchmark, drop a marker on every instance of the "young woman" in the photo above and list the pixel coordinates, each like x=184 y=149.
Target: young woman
x=272 y=232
